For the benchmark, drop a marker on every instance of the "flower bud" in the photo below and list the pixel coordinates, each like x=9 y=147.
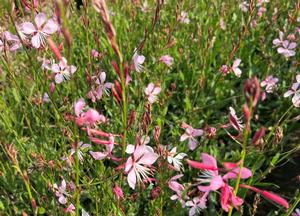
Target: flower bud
x=258 y=136
x=155 y=192
x=252 y=91
x=118 y=192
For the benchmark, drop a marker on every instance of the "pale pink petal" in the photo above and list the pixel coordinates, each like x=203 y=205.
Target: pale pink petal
x=197 y=132
x=50 y=27
x=98 y=155
x=236 y=63
x=192 y=143
x=92 y=116
x=152 y=98
x=40 y=19
x=128 y=164
x=55 y=68
x=78 y=106
x=59 y=78
x=102 y=77
x=292 y=45
x=298 y=78
x=28 y=28
x=295 y=86
x=62 y=200
x=288 y=93
x=36 y=41
x=140 y=59
x=148 y=158
x=149 y=89
x=72 y=69
x=129 y=149
x=156 y=90
x=209 y=160
x=276 y=42
x=237 y=72
x=246 y=173
x=184 y=137
x=131 y=179
x=281 y=50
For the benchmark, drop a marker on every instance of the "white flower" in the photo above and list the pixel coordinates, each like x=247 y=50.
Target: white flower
x=176 y=159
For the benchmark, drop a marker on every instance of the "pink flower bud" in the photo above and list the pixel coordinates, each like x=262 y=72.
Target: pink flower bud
x=118 y=192
x=252 y=91
x=258 y=136
x=52 y=87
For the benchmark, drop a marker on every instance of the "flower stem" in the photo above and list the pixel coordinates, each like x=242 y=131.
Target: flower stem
x=77 y=180
x=246 y=134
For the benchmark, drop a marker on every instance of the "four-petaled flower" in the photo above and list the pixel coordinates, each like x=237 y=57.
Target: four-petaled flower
x=295 y=90
x=176 y=159
x=137 y=165
x=62 y=71
x=41 y=30
x=270 y=83
x=100 y=86
x=285 y=47
x=196 y=204
x=191 y=134
x=167 y=59
x=61 y=193
x=151 y=92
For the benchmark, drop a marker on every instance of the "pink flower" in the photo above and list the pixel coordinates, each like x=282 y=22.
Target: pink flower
x=167 y=59
x=183 y=18
x=224 y=70
x=100 y=87
x=95 y=53
x=191 y=134
x=70 y=209
x=270 y=83
x=287 y=49
x=42 y=29
x=151 y=92
x=175 y=159
x=62 y=71
x=295 y=91
x=109 y=147
x=196 y=205
x=177 y=188
x=210 y=175
x=138 y=61
x=228 y=198
x=89 y=118
x=235 y=67
x=118 y=192
x=222 y=24
x=137 y=165
x=244 y=6
x=10 y=42
x=61 y=193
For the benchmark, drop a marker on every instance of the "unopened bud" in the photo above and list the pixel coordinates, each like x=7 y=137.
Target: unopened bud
x=155 y=192
x=118 y=192
x=252 y=91
x=33 y=203
x=157 y=133
x=258 y=136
